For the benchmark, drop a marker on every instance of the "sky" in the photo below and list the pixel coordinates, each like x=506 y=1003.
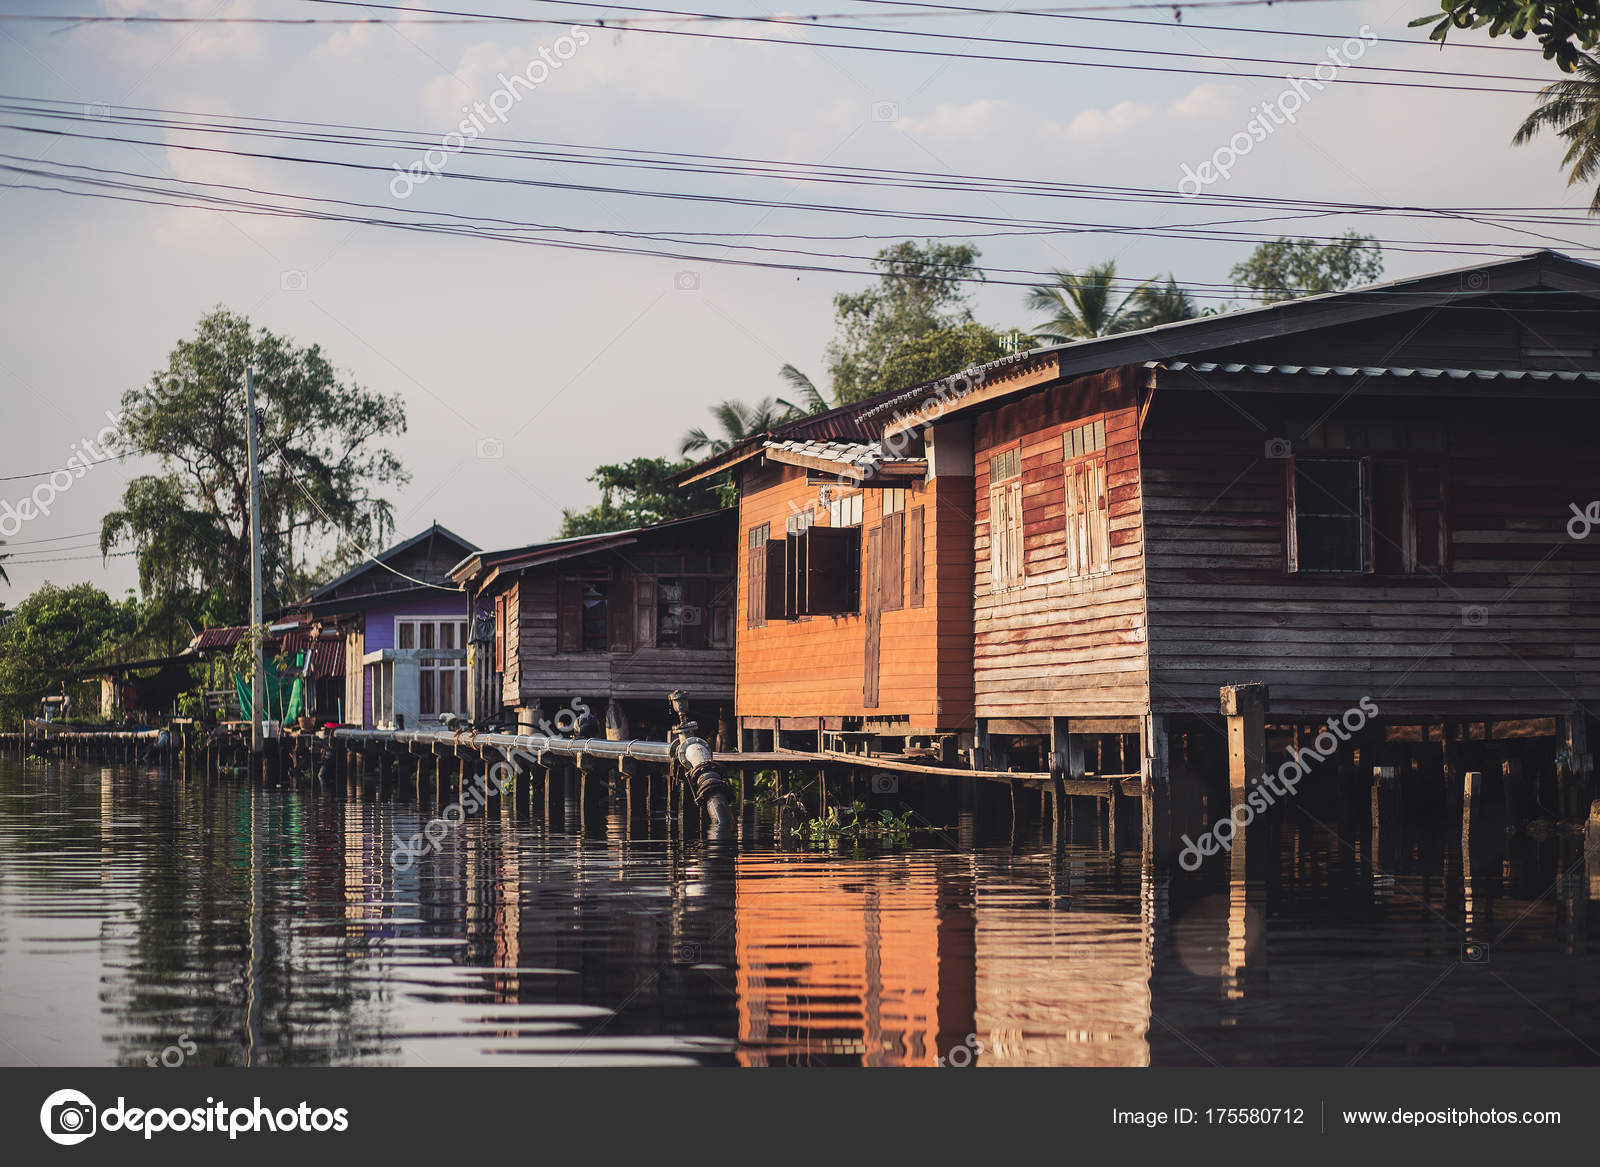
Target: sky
x=523 y=367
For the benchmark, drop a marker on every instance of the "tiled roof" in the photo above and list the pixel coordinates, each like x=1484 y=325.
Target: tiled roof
x=847 y=454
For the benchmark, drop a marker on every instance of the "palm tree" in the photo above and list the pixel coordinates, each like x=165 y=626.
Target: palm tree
x=1572 y=109
x=1163 y=304
x=738 y=421
x=809 y=398
x=1084 y=306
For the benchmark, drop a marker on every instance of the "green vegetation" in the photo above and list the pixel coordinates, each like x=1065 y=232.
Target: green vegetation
x=1571 y=109
x=855 y=825
x=53 y=633
x=1565 y=29
x=1288 y=268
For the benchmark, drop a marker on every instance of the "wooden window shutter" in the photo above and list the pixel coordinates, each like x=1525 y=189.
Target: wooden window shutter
x=1291 y=521
x=696 y=614
x=776 y=579
x=500 y=633
x=721 y=626
x=756 y=600
x=997 y=535
x=569 y=616
x=893 y=564
x=1098 y=507
x=644 y=612
x=830 y=576
x=915 y=561
x=1429 y=538
x=1014 y=564
x=1369 y=559
x=619 y=608
x=1073 y=485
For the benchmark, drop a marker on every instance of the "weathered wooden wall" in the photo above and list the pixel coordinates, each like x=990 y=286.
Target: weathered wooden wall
x=1512 y=624
x=1059 y=645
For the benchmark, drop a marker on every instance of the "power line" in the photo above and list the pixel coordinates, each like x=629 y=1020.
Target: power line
x=583 y=154
x=637 y=24
x=70 y=469
x=52 y=539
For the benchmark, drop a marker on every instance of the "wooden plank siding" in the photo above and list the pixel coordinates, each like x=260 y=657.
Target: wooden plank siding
x=1058 y=644
x=538 y=667
x=1511 y=625
x=815 y=666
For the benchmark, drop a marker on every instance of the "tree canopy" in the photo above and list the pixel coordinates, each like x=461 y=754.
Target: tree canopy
x=1286 y=268
x=921 y=294
x=322 y=463
x=1571 y=108
x=1087 y=304
x=53 y=633
x=1565 y=29
x=635 y=494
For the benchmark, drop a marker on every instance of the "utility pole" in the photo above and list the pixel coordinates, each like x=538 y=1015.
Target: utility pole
x=258 y=679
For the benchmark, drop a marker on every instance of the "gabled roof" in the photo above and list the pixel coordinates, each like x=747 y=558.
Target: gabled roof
x=1546 y=271
x=434 y=531
x=842 y=424
x=488 y=564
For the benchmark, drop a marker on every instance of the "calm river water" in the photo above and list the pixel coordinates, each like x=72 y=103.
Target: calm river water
x=145 y=919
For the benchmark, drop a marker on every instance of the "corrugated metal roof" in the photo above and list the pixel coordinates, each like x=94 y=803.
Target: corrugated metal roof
x=327 y=656
x=210 y=638
x=1376 y=371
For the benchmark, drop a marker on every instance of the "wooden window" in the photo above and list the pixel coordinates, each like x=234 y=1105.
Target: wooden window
x=596 y=615
x=619 y=608
x=829 y=571
x=1329 y=500
x=894 y=500
x=800 y=520
x=892 y=562
x=569 y=614
x=720 y=627
x=846 y=511
x=682 y=611
x=1005 y=519
x=500 y=633
x=914 y=558
x=756 y=568
x=1087 y=501
x=644 y=611
x=778 y=580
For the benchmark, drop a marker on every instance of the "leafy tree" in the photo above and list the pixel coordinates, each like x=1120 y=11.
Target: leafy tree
x=1167 y=303
x=1572 y=109
x=321 y=464
x=940 y=352
x=921 y=291
x=52 y=634
x=1560 y=26
x=1286 y=268
x=738 y=421
x=1085 y=305
x=637 y=493
x=808 y=398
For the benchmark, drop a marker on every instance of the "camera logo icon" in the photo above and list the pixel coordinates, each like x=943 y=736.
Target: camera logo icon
x=491 y=449
x=68 y=1117
x=1474 y=952
x=1474 y=281
x=885 y=784
x=885 y=111
x=687 y=953
x=691 y=615
x=1474 y=616
x=1279 y=448
x=686 y=281
x=97 y=112
x=292 y=281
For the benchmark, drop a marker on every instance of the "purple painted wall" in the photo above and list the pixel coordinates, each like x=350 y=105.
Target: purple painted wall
x=380 y=633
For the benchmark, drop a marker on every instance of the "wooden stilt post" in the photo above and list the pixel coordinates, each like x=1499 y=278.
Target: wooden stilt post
x=1155 y=786
x=1245 y=707
x=1574 y=765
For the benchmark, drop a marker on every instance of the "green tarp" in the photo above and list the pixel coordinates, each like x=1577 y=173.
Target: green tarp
x=285 y=692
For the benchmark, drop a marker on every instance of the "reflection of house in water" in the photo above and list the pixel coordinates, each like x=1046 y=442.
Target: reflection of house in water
x=1063 y=987
x=856 y=971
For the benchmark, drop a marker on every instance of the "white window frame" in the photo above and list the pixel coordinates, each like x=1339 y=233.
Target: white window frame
x=434 y=666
